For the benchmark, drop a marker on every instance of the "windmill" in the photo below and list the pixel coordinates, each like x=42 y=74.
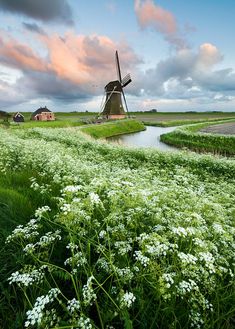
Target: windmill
x=113 y=107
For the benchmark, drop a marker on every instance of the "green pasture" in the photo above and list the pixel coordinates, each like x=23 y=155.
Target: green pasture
x=113 y=128
x=163 y=119
x=190 y=137
x=167 y=119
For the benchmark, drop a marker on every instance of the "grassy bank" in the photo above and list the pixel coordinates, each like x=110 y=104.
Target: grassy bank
x=128 y=238
x=191 y=138
x=113 y=128
x=173 y=123
x=18 y=203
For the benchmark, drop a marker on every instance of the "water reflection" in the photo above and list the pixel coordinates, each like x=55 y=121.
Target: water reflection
x=148 y=138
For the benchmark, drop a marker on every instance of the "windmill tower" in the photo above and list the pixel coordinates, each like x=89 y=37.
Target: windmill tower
x=113 y=107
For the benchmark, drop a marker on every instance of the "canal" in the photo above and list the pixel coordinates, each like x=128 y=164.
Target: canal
x=147 y=138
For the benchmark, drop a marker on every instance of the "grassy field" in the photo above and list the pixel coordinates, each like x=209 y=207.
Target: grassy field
x=164 y=119
x=193 y=139
x=178 y=118
x=47 y=124
x=63 y=120
x=182 y=122
x=113 y=128
x=113 y=237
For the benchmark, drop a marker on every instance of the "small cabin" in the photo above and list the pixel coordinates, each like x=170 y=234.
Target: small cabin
x=43 y=114
x=18 y=117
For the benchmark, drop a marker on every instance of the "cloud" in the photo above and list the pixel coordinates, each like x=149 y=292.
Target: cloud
x=52 y=10
x=208 y=55
x=74 y=67
x=150 y=15
x=189 y=75
x=17 y=55
x=9 y=96
x=33 y=27
x=86 y=60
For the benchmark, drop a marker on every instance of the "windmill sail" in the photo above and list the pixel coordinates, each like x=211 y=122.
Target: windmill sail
x=126 y=80
x=118 y=67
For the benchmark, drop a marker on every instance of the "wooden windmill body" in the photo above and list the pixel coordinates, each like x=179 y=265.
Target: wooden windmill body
x=113 y=107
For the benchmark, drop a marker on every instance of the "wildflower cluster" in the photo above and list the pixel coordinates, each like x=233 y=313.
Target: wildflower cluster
x=132 y=229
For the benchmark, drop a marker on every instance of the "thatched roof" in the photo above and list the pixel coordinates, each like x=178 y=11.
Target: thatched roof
x=40 y=110
x=18 y=114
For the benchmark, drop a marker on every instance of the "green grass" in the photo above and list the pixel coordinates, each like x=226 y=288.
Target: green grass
x=47 y=124
x=191 y=138
x=172 y=123
x=18 y=203
x=169 y=210
x=113 y=128
x=159 y=117
x=180 y=116
x=63 y=115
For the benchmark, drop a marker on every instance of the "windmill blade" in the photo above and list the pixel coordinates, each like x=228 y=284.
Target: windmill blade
x=118 y=67
x=125 y=103
x=126 y=80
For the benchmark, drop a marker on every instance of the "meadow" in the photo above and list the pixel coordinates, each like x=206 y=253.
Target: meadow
x=169 y=119
x=162 y=119
x=110 y=237
x=192 y=138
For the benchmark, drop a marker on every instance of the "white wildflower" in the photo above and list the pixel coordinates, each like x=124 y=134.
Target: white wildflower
x=41 y=211
x=127 y=300
x=94 y=197
x=27 y=279
x=72 y=189
x=36 y=315
x=65 y=208
x=144 y=260
x=88 y=293
x=25 y=232
x=73 y=306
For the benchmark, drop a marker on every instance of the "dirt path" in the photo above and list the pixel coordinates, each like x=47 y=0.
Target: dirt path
x=224 y=128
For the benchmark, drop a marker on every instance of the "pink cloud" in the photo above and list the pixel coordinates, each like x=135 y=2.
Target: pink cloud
x=208 y=55
x=81 y=60
x=151 y=15
x=18 y=55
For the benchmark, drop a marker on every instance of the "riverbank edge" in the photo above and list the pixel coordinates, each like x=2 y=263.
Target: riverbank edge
x=191 y=138
x=114 y=128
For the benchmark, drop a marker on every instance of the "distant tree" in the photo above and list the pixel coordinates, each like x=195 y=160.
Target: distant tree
x=2 y=114
x=151 y=111
x=5 y=116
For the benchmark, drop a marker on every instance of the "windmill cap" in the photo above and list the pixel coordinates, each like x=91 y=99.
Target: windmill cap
x=113 y=86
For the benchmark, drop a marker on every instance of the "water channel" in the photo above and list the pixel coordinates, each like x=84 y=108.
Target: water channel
x=147 y=138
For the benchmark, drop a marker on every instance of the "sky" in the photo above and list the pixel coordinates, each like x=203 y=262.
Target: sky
x=61 y=54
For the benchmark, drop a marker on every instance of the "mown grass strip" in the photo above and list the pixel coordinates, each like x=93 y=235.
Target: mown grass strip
x=172 y=123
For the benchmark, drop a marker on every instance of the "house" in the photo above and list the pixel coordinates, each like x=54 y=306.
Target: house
x=43 y=114
x=18 y=117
